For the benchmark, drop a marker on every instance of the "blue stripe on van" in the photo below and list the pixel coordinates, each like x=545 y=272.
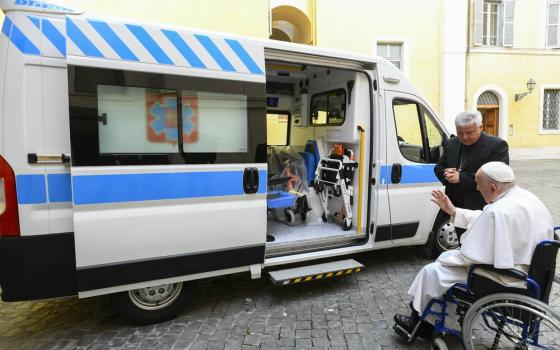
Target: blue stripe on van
x=244 y=56
x=216 y=54
x=113 y=40
x=31 y=189
x=20 y=40
x=54 y=36
x=116 y=188
x=60 y=188
x=411 y=174
x=183 y=48
x=35 y=20
x=149 y=43
x=79 y=38
x=6 y=26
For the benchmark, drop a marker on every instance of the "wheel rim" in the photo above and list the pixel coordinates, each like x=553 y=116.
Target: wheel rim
x=157 y=297
x=446 y=236
x=498 y=322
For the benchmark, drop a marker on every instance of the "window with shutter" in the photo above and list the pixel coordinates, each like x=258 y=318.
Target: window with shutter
x=553 y=25
x=509 y=10
x=551 y=110
x=478 y=22
x=494 y=22
x=392 y=52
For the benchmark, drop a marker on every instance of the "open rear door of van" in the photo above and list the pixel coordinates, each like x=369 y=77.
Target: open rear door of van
x=164 y=180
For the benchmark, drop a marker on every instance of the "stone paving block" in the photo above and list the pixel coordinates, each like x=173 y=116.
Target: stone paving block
x=252 y=339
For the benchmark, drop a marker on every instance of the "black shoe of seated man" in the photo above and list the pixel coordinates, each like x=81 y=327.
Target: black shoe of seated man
x=425 y=331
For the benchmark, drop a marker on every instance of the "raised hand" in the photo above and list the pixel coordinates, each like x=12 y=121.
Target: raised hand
x=442 y=201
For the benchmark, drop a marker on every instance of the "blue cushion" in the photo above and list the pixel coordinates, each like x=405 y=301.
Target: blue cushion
x=311 y=147
x=309 y=160
x=280 y=199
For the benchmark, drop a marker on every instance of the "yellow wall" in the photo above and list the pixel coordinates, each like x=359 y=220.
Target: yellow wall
x=243 y=17
x=511 y=75
x=354 y=25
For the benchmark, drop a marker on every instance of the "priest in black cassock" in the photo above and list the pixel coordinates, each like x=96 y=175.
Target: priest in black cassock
x=464 y=155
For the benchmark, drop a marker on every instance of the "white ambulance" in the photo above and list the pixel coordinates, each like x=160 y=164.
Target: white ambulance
x=136 y=157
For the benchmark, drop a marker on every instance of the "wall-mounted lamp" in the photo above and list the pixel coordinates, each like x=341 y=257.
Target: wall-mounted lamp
x=530 y=86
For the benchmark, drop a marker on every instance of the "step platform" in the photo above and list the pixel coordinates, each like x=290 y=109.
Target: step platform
x=315 y=272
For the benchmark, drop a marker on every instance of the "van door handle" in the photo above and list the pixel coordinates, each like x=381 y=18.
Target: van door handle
x=250 y=180
x=396 y=173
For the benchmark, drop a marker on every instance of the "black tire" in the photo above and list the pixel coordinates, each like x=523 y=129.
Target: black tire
x=347 y=225
x=438 y=343
x=337 y=191
x=290 y=216
x=303 y=216
x=443 y=236
x=127 y=305
x=324 y=217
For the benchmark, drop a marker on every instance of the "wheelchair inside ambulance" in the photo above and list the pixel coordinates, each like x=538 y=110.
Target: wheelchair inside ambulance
x=314 y=132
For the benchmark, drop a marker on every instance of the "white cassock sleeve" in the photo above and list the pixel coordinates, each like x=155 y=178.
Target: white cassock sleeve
x=464 y=217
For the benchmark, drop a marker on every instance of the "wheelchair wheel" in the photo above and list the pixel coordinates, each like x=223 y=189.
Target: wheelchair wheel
x=290 y=216
x=439 y=344
x=554 y=296
x=511 y=321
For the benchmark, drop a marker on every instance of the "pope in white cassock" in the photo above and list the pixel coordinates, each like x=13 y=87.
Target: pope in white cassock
x=504 y=234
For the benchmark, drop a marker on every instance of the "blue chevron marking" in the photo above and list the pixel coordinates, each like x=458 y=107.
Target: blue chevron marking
x=19 y=39
x=216 y=54
x=54 y=36
x=113 y=40
x=83 y=43
x=150 y=44
x=244 y=56
x=35 y=20
x=183 y=48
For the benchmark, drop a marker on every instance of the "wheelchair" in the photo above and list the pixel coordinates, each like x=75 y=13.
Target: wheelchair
x=492 y=316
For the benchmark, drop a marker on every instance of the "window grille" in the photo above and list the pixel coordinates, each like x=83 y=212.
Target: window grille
x=551 y=110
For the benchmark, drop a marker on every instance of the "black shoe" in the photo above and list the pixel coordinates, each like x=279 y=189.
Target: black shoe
x=425 y=331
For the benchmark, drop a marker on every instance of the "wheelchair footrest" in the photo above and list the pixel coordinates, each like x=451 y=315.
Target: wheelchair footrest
x=403 y=333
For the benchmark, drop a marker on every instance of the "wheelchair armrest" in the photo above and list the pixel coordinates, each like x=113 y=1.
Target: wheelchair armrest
x=522 y=276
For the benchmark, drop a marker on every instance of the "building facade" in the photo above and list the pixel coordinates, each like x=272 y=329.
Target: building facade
x=462 y=54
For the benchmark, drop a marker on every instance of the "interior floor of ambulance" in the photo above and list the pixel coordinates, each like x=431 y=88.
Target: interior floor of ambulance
x=308 y=116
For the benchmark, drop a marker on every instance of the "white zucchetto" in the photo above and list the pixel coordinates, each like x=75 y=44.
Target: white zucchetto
x=498 y=171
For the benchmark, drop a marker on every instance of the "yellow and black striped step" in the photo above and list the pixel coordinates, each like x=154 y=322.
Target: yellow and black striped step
x=315 y=272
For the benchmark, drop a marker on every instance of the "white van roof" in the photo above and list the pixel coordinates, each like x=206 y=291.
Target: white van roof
x=37 y=6
x=77 y=36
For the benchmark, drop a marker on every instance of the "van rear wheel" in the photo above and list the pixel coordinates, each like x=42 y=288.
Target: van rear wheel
x=153 y=304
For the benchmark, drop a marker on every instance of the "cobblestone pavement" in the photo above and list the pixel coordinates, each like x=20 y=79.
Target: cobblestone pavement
x=233 y=312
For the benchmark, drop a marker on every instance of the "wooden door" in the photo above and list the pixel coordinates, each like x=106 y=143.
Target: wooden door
x=489 y=120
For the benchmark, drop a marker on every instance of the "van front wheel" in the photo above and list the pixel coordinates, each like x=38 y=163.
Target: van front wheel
x=444 y=235
x=152 y=304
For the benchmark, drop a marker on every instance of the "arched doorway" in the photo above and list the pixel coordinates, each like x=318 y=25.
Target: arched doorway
x=489 y=106
x=291 y=24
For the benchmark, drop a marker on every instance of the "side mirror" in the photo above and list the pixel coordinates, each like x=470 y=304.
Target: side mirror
x=435 y=154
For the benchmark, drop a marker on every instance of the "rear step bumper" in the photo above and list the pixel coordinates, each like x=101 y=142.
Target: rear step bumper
x=315 y=272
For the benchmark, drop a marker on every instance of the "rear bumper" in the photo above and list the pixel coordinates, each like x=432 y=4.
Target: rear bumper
x=37 y=267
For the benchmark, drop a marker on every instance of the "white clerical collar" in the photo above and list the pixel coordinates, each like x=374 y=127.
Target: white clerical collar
x=501 y=195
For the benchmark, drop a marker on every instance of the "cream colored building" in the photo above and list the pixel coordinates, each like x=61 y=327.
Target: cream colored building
x=462 y=54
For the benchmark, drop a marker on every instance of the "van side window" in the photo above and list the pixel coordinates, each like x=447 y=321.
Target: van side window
x=137 y=120
x=328 y=108
x=133 y=118
x=409 y=130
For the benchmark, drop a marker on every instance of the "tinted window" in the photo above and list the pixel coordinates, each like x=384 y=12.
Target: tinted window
x=132 y=118
x=409 y=130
